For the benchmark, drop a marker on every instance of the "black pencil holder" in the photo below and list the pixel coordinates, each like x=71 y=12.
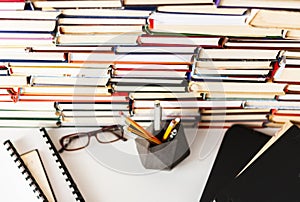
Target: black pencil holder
x=166 y=155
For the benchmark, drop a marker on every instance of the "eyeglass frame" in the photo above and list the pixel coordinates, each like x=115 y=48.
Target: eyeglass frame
x=90 y=134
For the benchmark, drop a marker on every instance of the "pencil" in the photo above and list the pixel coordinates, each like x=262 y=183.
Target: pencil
x=136 y=132
x=145 y=133
x=171 y=126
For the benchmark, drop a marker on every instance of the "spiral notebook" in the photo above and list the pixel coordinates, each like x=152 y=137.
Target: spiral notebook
x=34 y=163
x=63 y=185
x=25 y=186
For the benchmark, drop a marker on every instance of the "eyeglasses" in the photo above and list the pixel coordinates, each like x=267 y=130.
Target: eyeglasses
x=106 y=134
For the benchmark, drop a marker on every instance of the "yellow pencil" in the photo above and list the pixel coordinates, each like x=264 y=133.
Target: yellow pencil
x=170 y=127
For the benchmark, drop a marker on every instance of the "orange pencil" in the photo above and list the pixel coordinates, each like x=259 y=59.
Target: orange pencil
x=146 y=134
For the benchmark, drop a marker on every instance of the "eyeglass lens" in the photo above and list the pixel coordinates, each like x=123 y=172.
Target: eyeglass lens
x=75 y=141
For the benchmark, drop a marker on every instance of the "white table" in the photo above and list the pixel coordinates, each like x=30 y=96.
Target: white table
x=113 y=173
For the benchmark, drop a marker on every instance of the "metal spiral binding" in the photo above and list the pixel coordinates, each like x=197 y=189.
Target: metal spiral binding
x=62 y=166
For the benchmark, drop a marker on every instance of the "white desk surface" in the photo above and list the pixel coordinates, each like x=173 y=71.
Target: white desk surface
x=113 y=173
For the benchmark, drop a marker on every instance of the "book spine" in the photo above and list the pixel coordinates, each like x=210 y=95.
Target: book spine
x=24 y=170
x=62 y=166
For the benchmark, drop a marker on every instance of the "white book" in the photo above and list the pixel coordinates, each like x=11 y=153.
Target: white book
x=28 y=106
x=273 y=104
x=29 y=56
x=146 y=74
x=76 y=4
x=99 y=29
x=68 y=81
x=106 y=12
x=91 y=106
x=189 y=104
x=97 y=39
x=162 y=2
x=242 y=54
x=242 y=30
x=59 y=71
x=159 y=49
x=27 y=25
x=151 y=66
x=91 y=121
x=235 y=87
x=25 y=42
x=66 y=90
x=196 y=8
x=145 y=88
x=29 y=114
x=101 y=21
x=13 y=81
x=9 y=6
x=29 y=14
x=159 y=81
x=196 y=19
x=132 y=58
x=27 y=123
x=232 y=64
x=274 y=4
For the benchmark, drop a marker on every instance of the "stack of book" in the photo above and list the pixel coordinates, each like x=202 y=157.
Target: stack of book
x=89 y=114
x=98 y=27
x=232 y=74
x=27 y=28
x=184 y=105
x=29 y=114
x=47 y=79
x=150 y=72
x=256 y=46
x=232 y=62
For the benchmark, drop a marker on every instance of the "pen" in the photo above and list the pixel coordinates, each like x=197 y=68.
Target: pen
x=144 y=133
x=157 y=115
x=170 y=127
x=131 y=102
